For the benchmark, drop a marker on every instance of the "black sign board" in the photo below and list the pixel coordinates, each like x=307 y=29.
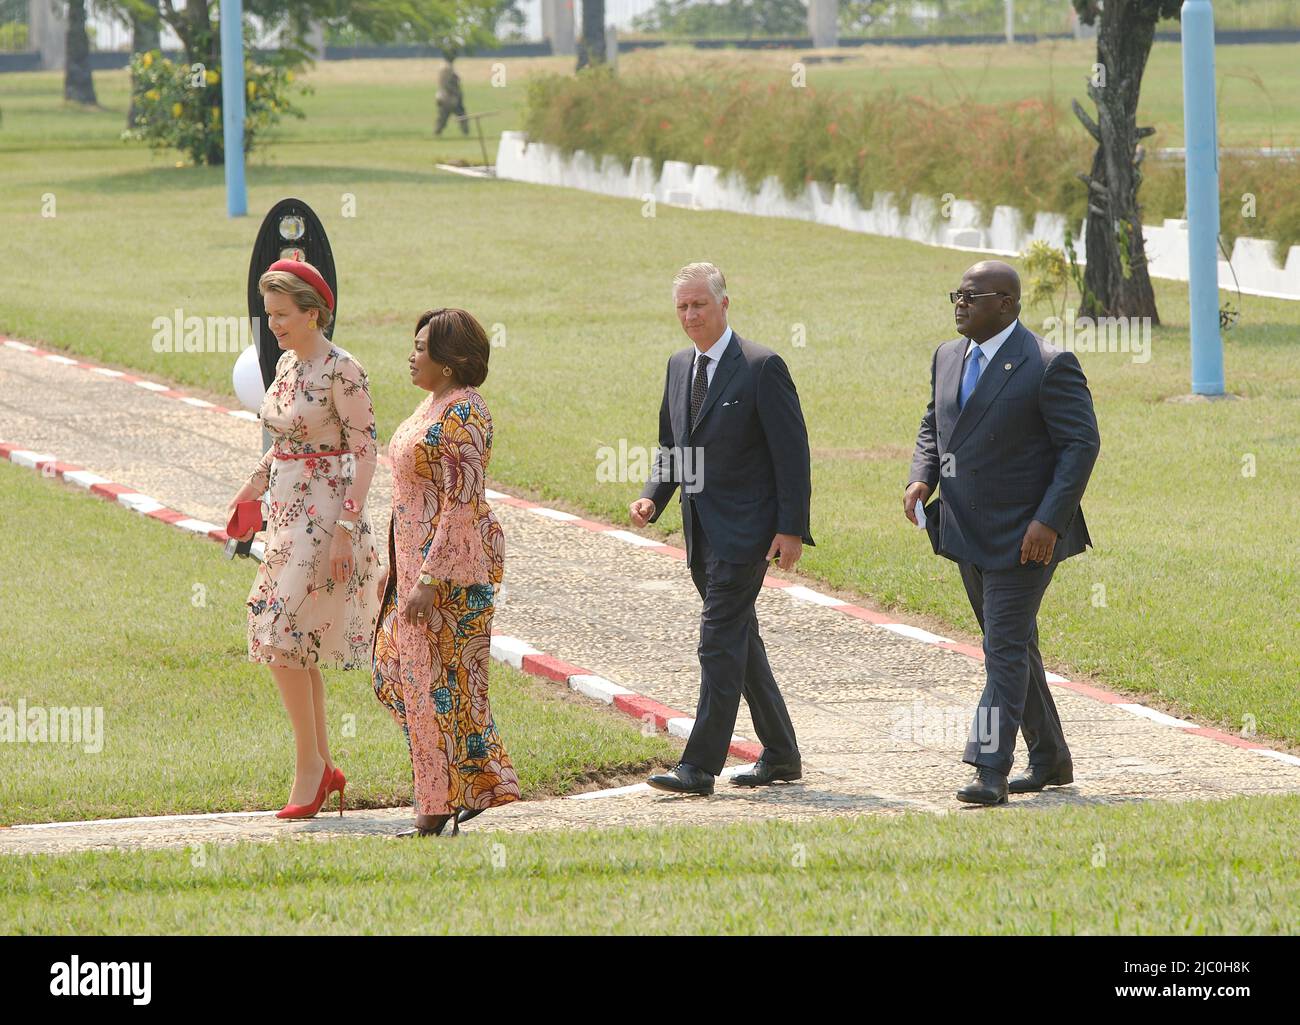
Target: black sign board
x=290 y=231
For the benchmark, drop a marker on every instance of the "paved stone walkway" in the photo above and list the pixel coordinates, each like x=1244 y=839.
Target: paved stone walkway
x=881 y=718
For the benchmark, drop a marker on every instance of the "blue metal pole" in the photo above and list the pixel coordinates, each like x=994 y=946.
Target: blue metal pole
x=232 y=104
x=1202 y=168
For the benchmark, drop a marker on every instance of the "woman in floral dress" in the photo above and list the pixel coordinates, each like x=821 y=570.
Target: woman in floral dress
x=312 y=604
x=446 y=556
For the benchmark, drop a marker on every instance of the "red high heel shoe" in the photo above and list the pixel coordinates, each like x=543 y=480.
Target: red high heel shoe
x=336 y=786
x=306 y=811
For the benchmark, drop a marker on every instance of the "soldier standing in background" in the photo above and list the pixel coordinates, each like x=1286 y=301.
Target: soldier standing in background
x=450 y=100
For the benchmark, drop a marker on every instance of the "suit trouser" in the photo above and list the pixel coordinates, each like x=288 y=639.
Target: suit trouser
x=733 y=663
x=1016 y=696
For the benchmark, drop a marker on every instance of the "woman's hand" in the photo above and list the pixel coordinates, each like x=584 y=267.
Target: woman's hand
x=382 y=586
x=341 y=560
x=419 y=604
x=243 y=495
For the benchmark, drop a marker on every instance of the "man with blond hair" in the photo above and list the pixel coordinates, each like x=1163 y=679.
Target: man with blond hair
x=730 y=411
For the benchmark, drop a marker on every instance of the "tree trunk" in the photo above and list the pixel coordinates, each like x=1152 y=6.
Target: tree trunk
x=146 y=35
x=78 y=86
x=203 y=46
x=1116 y=280
x=591 y=47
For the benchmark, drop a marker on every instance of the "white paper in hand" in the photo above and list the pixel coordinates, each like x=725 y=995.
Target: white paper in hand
x=919 y=509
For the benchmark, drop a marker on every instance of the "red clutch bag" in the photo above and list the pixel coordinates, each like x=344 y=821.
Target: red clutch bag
x=248 y=516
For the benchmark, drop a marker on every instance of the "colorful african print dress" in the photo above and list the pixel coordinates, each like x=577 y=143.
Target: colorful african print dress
x=434 y=678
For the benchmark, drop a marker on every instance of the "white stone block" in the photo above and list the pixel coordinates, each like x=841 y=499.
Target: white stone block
x=922 y=222
x=511 y=650
x=886 y=218
x=597 y=687
x=704 y=184
x=1255 y=262
x=772 y=201
x=510 y=155
x=642 y=177
x=820 y=198
x=1007 y=230
x=1166 y=249
x=1049 y=228
x=965 y=238
x=677 y=176
x=915 y=633
x=847 y=212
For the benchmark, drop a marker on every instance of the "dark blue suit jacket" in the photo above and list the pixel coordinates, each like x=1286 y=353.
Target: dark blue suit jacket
x=1022 y=449
x=751 y=447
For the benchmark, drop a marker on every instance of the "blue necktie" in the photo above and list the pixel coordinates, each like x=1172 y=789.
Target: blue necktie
x=971 y=377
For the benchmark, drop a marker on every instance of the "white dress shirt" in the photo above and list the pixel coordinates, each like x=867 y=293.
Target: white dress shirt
x=714 y=353
x=990 y=347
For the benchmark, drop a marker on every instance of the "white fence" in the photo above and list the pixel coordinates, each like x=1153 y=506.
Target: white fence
x=702 y=187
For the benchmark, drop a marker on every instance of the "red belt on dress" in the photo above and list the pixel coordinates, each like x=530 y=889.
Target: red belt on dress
x=310 y=455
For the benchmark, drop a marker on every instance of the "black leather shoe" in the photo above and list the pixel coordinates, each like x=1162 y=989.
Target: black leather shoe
x=765 y=773
x=1036 y=777
x=988 y=787
x=684 y=779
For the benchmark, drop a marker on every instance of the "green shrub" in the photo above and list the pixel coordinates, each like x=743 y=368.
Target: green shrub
x=13 y=36
x=1016 y=154
x=179 y=105
x=1025 y=154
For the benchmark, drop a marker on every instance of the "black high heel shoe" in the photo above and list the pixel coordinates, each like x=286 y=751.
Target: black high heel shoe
x=465 y=814
x=437 y=830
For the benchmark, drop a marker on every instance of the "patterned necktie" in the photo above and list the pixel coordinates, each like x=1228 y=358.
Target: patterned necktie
x=971 y=377
x=700 y=386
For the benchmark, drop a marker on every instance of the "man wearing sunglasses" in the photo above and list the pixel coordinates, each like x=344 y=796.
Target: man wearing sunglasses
x=1011 y=435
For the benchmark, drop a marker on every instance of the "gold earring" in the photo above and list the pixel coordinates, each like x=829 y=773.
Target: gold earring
x=446 y=371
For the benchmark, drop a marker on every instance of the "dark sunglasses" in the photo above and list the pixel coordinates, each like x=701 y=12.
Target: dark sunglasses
x=968 y=297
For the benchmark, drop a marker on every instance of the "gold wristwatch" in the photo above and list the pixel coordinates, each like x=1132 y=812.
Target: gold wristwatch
x=426 y=580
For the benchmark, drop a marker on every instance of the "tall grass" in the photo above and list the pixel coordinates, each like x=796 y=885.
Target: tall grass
x=1025 y=154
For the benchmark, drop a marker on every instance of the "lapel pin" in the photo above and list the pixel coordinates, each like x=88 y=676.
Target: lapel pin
x=1006 y=366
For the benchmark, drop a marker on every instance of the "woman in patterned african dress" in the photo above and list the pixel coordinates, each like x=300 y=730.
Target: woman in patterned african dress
x=446 y=556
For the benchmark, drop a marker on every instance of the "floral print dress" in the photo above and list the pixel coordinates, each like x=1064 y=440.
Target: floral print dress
x=434 y=678
x=298 y=616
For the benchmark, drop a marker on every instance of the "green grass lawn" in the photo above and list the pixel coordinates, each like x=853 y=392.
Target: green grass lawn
x=1188 y=599
x=1169 y=869
x=147 y=623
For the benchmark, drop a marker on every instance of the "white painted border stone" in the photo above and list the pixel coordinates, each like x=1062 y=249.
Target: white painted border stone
x=914 y=632
x=1260 y=269
x=511 y=650
x=1155 y=716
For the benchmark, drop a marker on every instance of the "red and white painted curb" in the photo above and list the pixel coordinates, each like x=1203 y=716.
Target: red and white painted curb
x=52 y=467
x=521 y=655
x=524 y=656
x=164 y=391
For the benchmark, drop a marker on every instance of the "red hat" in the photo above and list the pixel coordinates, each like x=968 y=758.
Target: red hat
x=309 y=274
